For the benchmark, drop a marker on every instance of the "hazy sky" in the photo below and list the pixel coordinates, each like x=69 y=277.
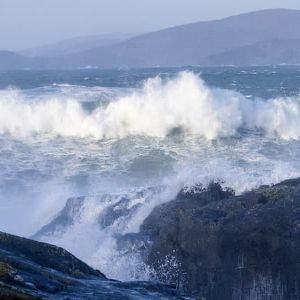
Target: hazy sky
x=27 y=23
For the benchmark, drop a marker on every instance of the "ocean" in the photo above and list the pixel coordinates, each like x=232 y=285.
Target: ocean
x=129 y=140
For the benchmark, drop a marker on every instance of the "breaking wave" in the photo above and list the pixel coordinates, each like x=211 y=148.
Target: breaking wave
x=183 y=103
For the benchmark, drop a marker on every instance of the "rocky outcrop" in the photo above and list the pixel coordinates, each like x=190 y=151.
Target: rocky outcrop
x=210 y=243
x=65 y=218
x=111 y=208
x=219 y=246
x=34 y=270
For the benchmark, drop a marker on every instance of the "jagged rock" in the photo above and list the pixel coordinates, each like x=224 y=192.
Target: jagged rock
x=218 y=246
x=63 y=220
x=109 y=208
x=116 y=211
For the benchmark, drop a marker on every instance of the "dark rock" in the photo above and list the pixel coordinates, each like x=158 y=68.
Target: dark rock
x=114 y=208
x=63 y=220
x=218 y=246
x=34 y=270
x=116 y=211
x=47 y=256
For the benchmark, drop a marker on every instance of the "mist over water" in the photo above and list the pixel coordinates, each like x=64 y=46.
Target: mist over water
x=131 y=144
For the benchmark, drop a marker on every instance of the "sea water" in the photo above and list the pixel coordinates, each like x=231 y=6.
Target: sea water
x=128 y=139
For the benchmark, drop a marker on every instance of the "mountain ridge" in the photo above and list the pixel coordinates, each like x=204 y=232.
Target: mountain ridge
x=76 y=44
x=216 y=42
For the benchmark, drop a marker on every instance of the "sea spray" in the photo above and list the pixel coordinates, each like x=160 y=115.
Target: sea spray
x=67 y=141
x=159 y=108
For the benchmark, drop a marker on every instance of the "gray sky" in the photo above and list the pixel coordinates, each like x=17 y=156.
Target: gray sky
x=29 y=23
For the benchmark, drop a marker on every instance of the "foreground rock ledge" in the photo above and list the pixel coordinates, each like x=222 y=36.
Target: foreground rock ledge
x=219 y=246
x=34 y=270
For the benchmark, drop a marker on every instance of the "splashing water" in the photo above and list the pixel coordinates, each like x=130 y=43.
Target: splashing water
x=128 y=150
x=156 y=110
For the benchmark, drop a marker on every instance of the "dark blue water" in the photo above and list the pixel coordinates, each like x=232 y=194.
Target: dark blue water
x=265 y=82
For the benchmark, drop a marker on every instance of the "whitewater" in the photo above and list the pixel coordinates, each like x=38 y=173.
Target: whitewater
x=127 y=145
x=156 y=110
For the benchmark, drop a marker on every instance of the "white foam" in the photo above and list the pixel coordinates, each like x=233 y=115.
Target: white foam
x=155 y=110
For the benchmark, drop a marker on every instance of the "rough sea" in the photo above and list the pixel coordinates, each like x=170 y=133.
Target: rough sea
x=132 y=139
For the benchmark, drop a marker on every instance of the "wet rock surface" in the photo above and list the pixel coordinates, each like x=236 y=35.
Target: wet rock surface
x=34 y=270
x=215 y=245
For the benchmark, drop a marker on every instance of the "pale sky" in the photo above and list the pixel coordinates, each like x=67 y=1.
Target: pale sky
x=30 y=23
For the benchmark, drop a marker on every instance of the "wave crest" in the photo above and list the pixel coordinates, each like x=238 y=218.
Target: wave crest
x=157 y=109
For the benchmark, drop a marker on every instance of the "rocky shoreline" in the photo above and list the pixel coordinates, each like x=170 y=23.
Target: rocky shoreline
x=34 y=270
x=208 y=243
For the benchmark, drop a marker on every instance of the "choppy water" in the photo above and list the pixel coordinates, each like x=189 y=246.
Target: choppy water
x=137 y=136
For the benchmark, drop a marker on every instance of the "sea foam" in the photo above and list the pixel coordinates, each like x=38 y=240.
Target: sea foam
x=157 y=109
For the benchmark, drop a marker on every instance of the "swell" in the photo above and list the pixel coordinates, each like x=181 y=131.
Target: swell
x=156 y=110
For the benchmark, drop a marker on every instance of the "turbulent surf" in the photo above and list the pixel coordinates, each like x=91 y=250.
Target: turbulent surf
x=83 y=163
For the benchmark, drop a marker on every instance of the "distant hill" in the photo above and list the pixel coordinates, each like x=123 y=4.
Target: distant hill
x=262 y=37
x=261 y=53
x=78 y=44
x=10 y=60
x=196 y=43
